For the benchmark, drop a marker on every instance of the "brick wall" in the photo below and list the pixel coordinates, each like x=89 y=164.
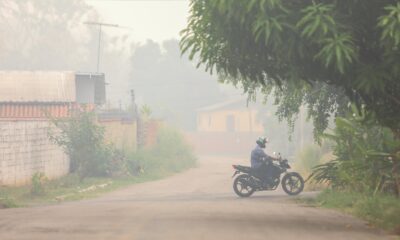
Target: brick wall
x=26 y=149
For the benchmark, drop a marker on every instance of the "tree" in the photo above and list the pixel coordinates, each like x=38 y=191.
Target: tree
x=348 y=49
x=47 y=35
x=165 y=81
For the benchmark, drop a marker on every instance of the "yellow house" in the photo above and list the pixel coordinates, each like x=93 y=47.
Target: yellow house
x=231 y=116
x=227 y=128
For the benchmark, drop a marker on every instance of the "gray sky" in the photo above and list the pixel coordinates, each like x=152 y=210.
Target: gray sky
x=158 y=20
x=147 y=19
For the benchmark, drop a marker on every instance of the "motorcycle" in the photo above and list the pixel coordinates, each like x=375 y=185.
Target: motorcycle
x=250 y=181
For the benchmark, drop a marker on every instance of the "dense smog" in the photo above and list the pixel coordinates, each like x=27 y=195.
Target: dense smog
x=199 y=119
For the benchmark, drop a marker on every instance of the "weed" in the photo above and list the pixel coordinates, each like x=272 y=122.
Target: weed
x=38 y=181
x=7 y=203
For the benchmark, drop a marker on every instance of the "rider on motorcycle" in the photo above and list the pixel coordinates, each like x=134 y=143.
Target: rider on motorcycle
x=259 y=157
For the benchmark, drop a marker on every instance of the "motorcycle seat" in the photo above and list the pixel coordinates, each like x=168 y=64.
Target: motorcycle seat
x=241 y=168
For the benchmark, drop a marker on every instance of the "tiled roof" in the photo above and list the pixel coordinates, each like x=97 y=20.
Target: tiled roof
x=34 y=111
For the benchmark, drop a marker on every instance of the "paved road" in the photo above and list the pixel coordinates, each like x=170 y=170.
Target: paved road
x=196 y=204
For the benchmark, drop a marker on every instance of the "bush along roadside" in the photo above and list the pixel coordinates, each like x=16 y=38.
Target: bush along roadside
x=309 y=157
x=170 y=154
x=362 y=179
x=98 y=167
x=83 y=140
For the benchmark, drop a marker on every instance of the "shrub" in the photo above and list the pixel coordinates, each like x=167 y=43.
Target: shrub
x=365 y=156
x=83 y=141
x=310 y=157
x=7 y=203
x=170 y=154
x=38 y=181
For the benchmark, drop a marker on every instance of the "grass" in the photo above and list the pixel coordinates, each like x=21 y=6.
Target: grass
x=380 y=210
x=70 y=188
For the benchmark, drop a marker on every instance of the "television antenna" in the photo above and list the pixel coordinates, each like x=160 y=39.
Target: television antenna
x=100 y=25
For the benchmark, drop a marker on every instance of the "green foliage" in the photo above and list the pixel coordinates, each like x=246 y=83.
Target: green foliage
x=338 y=50
x=7 y=203
x=318 y=20
x=295 y=49
x=145 y=111
x=38 y=181
x=170 y=154
x=379 y=209
x=83 y=141
x=365 y=156
x=390 y=24
x=310 y=156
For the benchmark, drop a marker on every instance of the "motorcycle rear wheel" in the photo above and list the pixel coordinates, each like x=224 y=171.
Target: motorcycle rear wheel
x=293 y=183
x=242 y=187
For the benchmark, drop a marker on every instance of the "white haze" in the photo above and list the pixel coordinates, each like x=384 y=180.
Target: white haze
x=143 y=55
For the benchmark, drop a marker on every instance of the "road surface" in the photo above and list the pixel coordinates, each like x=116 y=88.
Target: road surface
x=196 y=204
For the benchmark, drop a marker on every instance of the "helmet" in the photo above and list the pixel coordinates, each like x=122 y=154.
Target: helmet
x=261 y=141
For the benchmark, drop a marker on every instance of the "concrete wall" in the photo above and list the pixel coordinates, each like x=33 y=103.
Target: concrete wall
x=26 y=149
x=123 y=134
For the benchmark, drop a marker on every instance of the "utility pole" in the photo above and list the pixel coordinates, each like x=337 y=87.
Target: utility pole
x=100 y=24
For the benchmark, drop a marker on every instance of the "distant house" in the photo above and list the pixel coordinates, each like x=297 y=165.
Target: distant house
x=228 y=128
x=230 y=116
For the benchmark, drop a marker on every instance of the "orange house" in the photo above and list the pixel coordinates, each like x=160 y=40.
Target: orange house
x=227 y=128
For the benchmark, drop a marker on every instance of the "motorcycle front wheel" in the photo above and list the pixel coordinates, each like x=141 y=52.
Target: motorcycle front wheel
x=292 y=183
x=242 y=187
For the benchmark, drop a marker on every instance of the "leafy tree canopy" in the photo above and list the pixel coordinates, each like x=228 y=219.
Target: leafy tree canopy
x=318 y=52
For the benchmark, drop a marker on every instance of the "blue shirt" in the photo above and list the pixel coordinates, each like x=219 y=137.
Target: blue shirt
x=257 y=156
